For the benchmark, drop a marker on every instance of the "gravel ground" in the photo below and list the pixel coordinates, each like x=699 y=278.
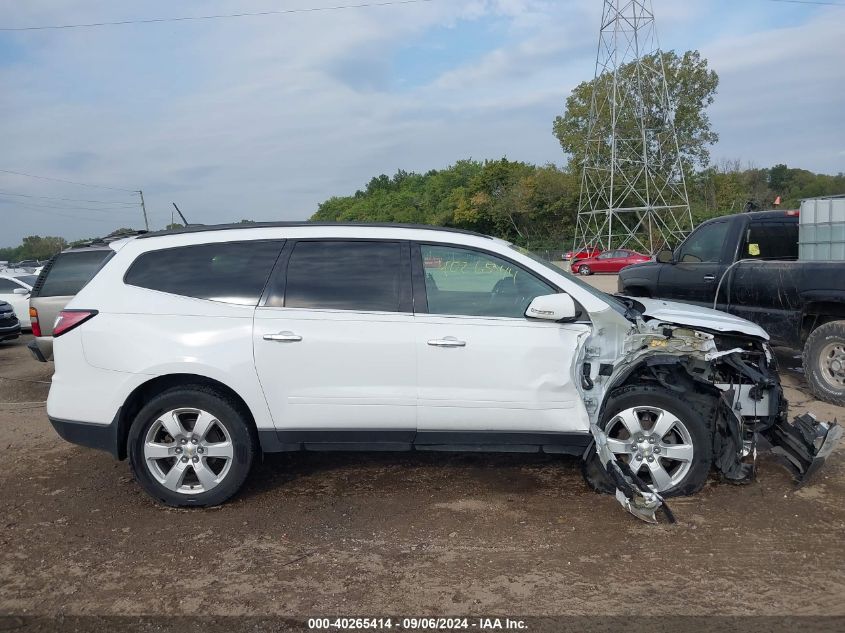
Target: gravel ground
x=414 y=534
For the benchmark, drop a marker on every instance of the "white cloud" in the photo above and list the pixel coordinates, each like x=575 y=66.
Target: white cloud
x=265 y=117
x=782 y=93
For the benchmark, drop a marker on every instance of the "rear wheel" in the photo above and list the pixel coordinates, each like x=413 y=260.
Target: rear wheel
x=824 y=362
x=665 y=440
x=584 y=270
x=191 y=446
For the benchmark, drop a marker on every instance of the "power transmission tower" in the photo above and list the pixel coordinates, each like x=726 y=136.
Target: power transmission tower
x=633 y=192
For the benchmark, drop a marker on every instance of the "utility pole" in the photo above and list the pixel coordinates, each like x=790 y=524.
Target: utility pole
x=633 y=192
x=144 y=209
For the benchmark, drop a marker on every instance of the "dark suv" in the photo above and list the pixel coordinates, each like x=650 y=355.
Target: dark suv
x=10 y=327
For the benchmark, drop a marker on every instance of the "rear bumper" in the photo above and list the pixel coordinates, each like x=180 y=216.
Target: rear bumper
x=36 y=352
x=44 y=345
x=104 y=437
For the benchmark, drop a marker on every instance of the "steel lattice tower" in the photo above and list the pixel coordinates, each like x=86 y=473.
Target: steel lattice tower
x=633 y=192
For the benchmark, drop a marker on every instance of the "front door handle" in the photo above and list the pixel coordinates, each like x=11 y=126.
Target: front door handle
x=709 y=277
x=448 y=341
x=283 y=337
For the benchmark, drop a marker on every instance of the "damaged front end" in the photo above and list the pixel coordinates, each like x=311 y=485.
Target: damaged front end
x=734 y=377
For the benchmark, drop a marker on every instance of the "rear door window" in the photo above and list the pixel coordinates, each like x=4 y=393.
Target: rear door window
x=230 y=272
x=69 y=272
x=338 y=275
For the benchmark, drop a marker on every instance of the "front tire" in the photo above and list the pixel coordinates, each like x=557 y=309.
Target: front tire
x=824 y=362
x=584 y=270
x=191 y=446
x=665 y=440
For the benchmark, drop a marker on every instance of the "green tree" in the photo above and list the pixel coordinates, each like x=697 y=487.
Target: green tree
x=691 y=85
x=37 y=247
x=517 y=201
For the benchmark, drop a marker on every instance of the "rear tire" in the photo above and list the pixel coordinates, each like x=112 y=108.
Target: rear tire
x=191 y=446
x=684 y=439
x=824 y=362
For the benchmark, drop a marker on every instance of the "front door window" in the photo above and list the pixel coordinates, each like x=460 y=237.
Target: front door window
x=466 y=282
x=705 y=244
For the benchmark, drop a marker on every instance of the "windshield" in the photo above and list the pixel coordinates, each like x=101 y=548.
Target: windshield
x=614 y=302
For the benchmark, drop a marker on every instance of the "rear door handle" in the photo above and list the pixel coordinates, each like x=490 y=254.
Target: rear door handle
x=709 y=277
x=283 y=337
x=448 y=341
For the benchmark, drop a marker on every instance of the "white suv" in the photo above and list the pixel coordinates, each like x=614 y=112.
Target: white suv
x=192 y=352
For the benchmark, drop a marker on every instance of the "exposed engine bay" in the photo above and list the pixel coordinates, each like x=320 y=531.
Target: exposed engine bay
x=730 y=375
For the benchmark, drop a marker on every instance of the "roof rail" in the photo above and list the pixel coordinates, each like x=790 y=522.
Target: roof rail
x=202 y=228
x=111 y=237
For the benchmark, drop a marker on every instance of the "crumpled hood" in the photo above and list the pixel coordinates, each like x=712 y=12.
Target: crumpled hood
x=695 y=316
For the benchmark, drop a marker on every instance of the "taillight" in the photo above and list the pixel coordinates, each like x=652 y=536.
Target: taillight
x=69 y=319
x=33 y=318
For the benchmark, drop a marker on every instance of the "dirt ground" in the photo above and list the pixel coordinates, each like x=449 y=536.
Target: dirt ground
x=413 y=534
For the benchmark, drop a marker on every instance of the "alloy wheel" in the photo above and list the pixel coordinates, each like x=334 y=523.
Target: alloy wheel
x=188 y=451
x=656 y=444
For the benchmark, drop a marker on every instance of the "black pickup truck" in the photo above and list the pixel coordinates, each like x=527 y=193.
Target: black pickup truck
x=751 y=261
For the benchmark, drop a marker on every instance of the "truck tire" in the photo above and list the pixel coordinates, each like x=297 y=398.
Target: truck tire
x=824 y=362
x=191 y=446
x=685 y=426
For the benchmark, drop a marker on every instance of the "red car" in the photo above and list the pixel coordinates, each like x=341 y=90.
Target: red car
x=608 y=262
x=573 y=256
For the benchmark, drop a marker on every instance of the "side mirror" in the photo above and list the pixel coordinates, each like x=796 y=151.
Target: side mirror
x=558 y=307
x=665 y=257
x=20 y=291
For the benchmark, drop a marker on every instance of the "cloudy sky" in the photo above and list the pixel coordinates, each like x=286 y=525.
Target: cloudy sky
x=264 y=117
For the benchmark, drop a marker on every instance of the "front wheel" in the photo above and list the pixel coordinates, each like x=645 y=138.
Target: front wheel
x=665 y=440
x=824 y=362
x=584 y=270
x=191 y=446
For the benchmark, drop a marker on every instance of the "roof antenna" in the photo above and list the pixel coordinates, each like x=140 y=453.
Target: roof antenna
x=180 y=214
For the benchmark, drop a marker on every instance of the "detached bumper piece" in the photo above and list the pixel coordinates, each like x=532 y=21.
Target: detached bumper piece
x=804 y=444
x=634 y=494
x=631 y=492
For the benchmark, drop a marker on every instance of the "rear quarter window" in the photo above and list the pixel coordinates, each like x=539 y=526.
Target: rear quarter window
x=69 y=272
x=230 y=272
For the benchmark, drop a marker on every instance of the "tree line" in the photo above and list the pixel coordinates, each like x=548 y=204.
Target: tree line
x=536 y=206
x=531 y=205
